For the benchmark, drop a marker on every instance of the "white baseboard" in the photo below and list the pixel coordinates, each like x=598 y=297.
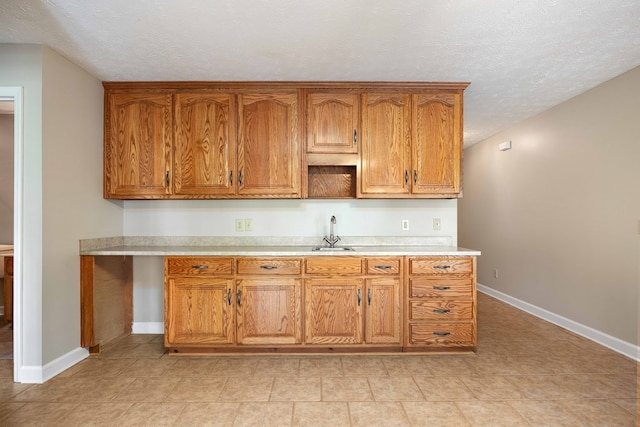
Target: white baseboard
x=40 y=374
x=147 y=328
x=615 y=344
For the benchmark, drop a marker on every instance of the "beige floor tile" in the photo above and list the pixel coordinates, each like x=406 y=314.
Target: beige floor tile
x=300 y=389
x=373 y=414
x=444 y=388
x=94 y=414
x=245 y=389
x=319 y=366
x=320 y=414
x=364 y=366
x=405 y=365
x=434 y=414
x=540 y=387
x=39 y=414
x=491 y=413
x=151 y=414
x=274 y=366
x=188 y=367
x=546 y=413
x=147 y=389
x=93 y=368
x=597 y=412
x=346 y=389
x=148 y=367
x=395 y=388
x=235 y=367
x=450 y=366
x=493 y=387
x=192 y=389
x=207 y=414
x=264 y=414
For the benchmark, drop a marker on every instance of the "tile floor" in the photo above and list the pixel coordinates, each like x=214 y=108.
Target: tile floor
x=526 y=372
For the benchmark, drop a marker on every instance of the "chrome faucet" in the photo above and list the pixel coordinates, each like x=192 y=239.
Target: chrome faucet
x=332 y=239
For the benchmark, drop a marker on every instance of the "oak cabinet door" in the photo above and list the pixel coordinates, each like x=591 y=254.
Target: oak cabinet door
x=333 y=312
x=437 y=143
x=205 y=144
x=383 y=320
x=332 y=122
x=269 y=311
x=138 y=141
x=386 y=156
x=199 y=311
x=269 y=145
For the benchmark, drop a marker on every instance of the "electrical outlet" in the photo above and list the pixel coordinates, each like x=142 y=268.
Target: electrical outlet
x=239 y=224
x=437 y=224
x=248 y=224
x=405 y=225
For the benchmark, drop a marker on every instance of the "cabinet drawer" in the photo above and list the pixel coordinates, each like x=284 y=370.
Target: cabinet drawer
x=199 y=266
x=383 y=266
x=440 y=310
x=442 y=334
x=275 y=266
x=333 y=265
x=441 y=287
x=441 y=266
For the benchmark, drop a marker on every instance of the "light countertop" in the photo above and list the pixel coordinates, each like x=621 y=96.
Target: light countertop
x=269 y=246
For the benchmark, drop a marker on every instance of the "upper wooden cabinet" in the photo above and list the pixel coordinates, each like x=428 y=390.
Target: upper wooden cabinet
x=196 y=140
x=332 y=122
x=205 y=144
x=138 y=142
x=412 y=144
x=269 y=145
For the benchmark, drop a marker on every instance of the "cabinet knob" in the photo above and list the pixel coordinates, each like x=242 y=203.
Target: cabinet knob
x=200 y=267
x=355 y=137
x=441 y=267
x=406 y=177
x=239 y=297
x=442 y=334
x=382 y=267
x=269 y=267
x=359 y=297
x=441 y=310
x=441 y=288
x=369 y=296
x=229 y=296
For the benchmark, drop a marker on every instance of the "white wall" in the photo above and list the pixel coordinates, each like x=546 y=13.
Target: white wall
x=559 y=214
x=63 y=111
x=303 y=218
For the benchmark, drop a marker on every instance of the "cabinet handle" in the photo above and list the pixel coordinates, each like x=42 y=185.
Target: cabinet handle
x=200 y=267
x=166 y=178
x=382 y=267
x=229 y=296
x=441 y=267
x=239 y=297
x=441 y=288
x=231 y=178
x=359 y=297
x=442 y=334
x=415 y=177
x=240 y=177
x=369 y=296
x=269 y=267
x=355 y=137
x=441 y=310
x=406 y=177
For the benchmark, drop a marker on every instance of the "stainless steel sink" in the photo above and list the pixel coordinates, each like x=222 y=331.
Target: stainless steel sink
x=334 y=248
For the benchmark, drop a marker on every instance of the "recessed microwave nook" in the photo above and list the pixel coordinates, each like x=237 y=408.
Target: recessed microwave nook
x=332 y=182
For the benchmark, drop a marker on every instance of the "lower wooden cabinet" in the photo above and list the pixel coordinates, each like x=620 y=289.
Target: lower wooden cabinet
x=333 y=311
x=320 y=302
x=200 y=311
x=268 y=311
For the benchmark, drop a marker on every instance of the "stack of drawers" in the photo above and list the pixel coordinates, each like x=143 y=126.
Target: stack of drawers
x=441 y=303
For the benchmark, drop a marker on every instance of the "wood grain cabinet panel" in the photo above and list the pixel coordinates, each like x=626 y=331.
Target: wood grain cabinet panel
x=386 y=144
x=205 y=144
x=138 y=144
x=269 y=266
x=199 y=311
x=383 y=313
x=269 y=145
x=269 y=311
x=333 y=311
x=332 y=122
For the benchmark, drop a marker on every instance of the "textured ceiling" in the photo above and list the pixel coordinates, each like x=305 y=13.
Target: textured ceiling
x=521 y=57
